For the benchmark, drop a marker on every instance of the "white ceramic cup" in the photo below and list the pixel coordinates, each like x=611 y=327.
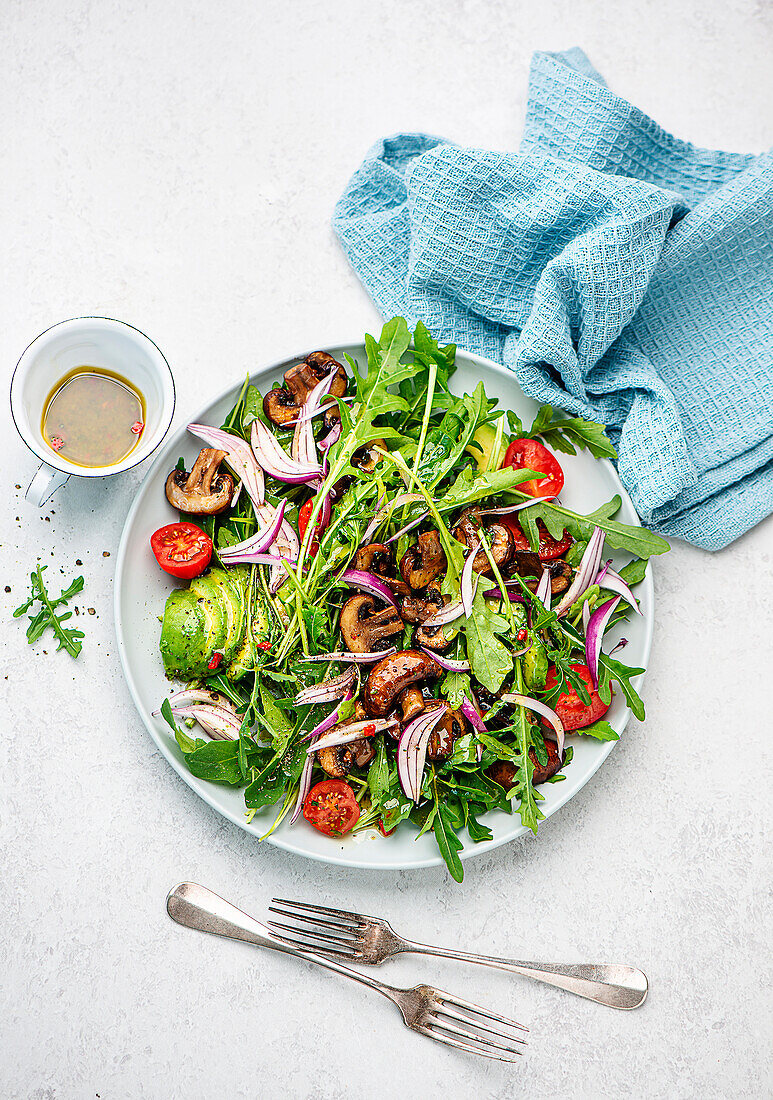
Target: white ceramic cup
x=92 y=342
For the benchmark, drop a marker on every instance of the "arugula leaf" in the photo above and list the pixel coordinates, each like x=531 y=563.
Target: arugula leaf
x=275 y=720
x=601 y=730
x=634 y=572
x=378 y=775
x=470 y=486
x=447 y=841
x=567 y=433
x=490 y=661
x=45 y=618
x=619 y=536
x=610 y=669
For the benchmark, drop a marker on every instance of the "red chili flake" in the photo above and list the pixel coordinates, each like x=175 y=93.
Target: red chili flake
x=522 y=634
x=385 y=832
x=137 y=427
x=57 y=442
x=369 y=730
x=264 y=645
x=215 y=660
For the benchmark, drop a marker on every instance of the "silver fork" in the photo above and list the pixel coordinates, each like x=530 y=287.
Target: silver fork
x=363 y=939
x=429 y=1011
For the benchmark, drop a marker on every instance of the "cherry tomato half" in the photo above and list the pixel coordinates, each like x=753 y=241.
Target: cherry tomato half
x=304 y=515
x=528 y=454
x=182 y=549
x=573 y=713
x=331 y=807
x=548 y=549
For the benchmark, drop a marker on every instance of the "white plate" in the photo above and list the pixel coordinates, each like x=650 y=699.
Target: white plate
x=141 y=589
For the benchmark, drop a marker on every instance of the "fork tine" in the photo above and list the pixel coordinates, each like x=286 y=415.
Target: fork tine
x=305 y=946
x=345 y=930
x=475 y=1023
x=483 y=1053
x=470 y=1036
x=319 y=909
x=333 y=941
x=445 y=998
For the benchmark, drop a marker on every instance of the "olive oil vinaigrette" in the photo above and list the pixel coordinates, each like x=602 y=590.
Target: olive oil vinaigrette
x=93 y=417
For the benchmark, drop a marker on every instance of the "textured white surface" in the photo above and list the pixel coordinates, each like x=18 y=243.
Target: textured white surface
x=175 y=165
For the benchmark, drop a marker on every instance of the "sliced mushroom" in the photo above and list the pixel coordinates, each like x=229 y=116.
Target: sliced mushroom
x=204 y=491
x=376 y=558
x=365 y=458
x=421 y=564
x=450 y=728
x=527 y=564
x=392 y=675
x=417 y=609
x=366 y=630
x=282 y=404
x=410 y=703
x=338 y=760
x=433 y=637
x=500 y=539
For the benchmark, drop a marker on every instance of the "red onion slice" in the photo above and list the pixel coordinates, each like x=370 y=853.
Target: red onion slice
x=330 y=721
x=594 y=634
x=450 y=664
x=543 y=592
x=355 y=658
x=239 y=457
x=332 y=437
x=540 y=708
x=585 y=617
x=447 y=614
x=412 y=751
x=398 y=502
x=353 y=731
x=326 y=691
x=219 y=723
x=467 y=585
x=303 y=788
x=408 y=527
x=471 y=713
x=370 y=583
x=276 y=462
x=260 y=541
x=513 y=507
x=613 y=582
x=587 y=570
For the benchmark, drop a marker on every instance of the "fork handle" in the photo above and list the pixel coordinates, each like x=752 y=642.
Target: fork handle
x=612 y=985
x=197 y=907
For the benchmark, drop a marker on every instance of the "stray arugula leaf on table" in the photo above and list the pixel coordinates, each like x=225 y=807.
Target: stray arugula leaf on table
x=46 y=618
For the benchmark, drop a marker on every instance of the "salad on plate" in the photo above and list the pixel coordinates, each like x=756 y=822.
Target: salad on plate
x=387 y=618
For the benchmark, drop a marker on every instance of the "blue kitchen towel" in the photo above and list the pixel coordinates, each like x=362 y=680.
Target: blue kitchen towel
x=621 y=274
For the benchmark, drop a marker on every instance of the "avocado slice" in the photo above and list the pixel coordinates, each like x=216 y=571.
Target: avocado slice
x=217 y=587
x=193 y=628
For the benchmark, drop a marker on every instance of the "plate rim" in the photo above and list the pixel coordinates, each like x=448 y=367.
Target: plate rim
x=276 y=839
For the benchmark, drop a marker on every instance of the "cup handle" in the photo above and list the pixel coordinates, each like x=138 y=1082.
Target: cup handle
x=46 y=481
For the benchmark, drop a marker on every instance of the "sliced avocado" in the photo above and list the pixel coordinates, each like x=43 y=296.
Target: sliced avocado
x=217 y=588
x=193 y=628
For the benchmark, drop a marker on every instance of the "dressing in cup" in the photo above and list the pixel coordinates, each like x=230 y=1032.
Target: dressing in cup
x=90 y=397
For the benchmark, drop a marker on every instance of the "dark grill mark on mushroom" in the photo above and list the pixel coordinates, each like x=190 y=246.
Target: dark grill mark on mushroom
x=500 y=540
x=365 y=630
x=282 y=404
x=421 y=564
x=204 y=491
x=392 y=675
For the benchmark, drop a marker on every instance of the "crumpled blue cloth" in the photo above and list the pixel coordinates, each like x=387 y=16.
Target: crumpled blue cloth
x=621 y=274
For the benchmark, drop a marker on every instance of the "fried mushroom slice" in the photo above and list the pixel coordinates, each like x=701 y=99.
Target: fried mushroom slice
x=392 y=675
x=282 y=404
x=450 y=728
x=204 y=491
x=500 y=539
x=376 y=558
x=527 y=564
x=421 y=564
x=366 y=630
